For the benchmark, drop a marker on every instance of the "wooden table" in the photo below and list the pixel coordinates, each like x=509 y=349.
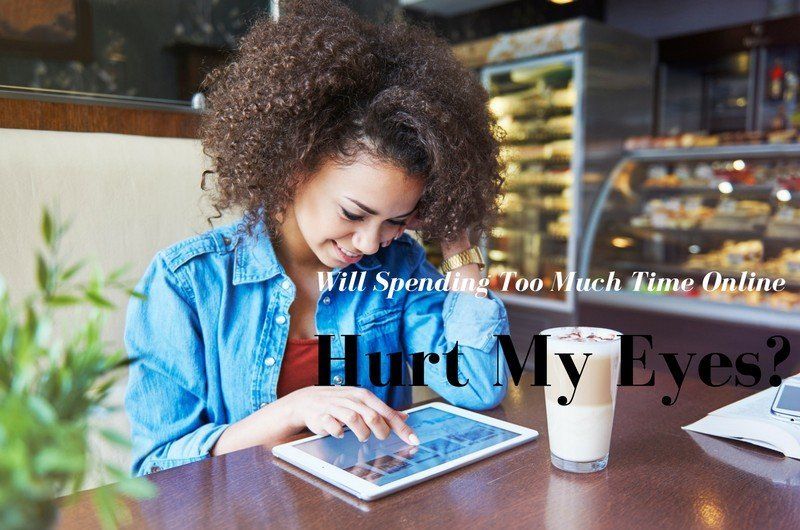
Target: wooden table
x=658 y=475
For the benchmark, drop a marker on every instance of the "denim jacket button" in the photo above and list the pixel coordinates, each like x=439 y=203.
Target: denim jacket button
x=154 y=469
x=326 y=300
x=286 y=284
x=269 y=361
x=337 y=380
x=280 y=319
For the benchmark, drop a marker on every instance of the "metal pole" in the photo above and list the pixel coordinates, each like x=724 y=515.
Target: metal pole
x=274 y=10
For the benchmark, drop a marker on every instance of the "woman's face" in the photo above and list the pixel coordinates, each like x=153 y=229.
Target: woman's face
x=347 y=211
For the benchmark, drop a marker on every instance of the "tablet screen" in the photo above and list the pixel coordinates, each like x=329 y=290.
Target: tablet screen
x=443 y=436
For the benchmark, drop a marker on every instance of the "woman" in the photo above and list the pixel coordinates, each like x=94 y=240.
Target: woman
x=331 y=136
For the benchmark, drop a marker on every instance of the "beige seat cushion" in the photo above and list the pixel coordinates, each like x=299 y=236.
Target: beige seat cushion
x=127 y=196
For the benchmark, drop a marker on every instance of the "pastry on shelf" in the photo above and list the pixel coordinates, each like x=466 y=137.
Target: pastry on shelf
x=674 y=212
x=521 y=130
x=560 y=125
x=728 y=171
x=559 y=149
x=698 y=139
x=741 y=253
x=658 y=176
x=787 y=264
x=564 y=98
x=785 y=223
x=560 y=227
x=738 y=215
x=784 y=300
x=511 y=203
x=561 y=202
x=666 y=142
x=518 y=103
x=751 y=298
x=785 y=136
x=524 y=152
x=537 y=177
x=738 y=255
x=638 y=142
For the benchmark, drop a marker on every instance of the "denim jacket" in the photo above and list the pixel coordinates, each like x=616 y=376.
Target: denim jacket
x=209 y=339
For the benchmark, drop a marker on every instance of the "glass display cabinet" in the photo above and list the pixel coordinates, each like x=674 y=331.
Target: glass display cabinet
x=536 y=105
x=566 y=96
x=728 y=216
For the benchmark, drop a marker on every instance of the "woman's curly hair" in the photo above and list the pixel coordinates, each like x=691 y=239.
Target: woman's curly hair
x=322 y=83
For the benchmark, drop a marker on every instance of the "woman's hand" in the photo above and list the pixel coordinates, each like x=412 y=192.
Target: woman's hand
x=327 y=410
x=323 y=410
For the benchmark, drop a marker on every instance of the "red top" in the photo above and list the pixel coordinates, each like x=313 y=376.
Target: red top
x=299 y=368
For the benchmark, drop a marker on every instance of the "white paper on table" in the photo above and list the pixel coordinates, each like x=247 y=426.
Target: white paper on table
x=751 y=420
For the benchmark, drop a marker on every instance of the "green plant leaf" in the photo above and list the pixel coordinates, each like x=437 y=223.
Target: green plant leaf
x=42 y=272
x=117 y=274
x=54 y=460
x=42 y=410
x=138 y=488
x=99 y=300
x=62 y=300
x=48 y=231
x=136 y=294
x=72 y=271
x=104 y=503
x=115 y=437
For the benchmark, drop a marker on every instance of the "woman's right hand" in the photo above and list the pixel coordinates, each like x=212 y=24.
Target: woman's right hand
x=327 y=410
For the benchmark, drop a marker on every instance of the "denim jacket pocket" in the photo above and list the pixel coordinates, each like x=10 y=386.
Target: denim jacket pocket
x=379 y=318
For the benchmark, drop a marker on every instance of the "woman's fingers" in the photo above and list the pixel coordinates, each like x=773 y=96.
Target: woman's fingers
x=371 y=417
x=392 y=417
x=352 y=419
x=332 y=426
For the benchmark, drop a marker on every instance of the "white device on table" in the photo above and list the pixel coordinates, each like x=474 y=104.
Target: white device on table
x=786 y=405
x=450 y=437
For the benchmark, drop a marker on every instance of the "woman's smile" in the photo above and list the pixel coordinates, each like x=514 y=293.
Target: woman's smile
x=345 y=255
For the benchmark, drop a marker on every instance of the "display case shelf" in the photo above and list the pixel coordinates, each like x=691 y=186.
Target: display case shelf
x=688 y=231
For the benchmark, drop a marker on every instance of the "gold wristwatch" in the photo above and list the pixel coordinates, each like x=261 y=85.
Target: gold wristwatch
x=465 y=257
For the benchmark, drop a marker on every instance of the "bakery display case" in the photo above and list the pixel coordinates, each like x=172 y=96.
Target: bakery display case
x=566 y=97
x=728 y=216
x=536 y=105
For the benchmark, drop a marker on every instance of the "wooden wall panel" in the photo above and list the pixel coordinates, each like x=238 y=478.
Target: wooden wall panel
x=82 y=117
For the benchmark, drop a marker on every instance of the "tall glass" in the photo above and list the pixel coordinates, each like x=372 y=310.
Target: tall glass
x=580 y=431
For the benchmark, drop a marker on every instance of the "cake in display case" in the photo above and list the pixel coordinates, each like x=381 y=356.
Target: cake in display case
x=726 y=217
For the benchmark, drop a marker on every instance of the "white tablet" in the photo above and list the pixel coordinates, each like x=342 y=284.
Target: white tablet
x=450 y=438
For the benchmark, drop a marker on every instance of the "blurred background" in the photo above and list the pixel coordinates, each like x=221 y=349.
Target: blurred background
x=653 y=136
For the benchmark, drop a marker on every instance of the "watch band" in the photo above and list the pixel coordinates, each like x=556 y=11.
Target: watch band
x=465 y=257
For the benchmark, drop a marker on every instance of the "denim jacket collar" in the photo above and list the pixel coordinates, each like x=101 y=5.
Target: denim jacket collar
x=256 y=260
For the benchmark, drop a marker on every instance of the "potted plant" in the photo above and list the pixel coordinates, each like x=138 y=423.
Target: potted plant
x=56 y=370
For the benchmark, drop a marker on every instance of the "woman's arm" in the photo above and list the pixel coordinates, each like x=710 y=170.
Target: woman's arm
x=434 y=321
x=167 y=386
x=166 y=400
